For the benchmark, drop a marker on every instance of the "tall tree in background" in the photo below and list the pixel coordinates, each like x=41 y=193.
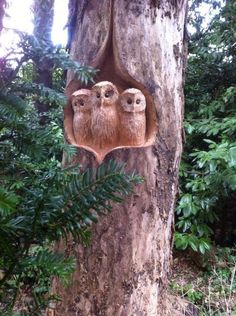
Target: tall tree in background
x=134 y=44
x=43 y=21
x=2 y=12
x=206 y=209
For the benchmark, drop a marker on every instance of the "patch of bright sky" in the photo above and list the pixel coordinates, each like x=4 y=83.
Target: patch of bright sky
x=207 y=12
x=59 y=33
x=19 y=17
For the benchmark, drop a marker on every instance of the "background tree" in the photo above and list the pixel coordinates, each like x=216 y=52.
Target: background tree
x=43 y=21
x=124 y=270
x=208 y=174
x=2 y=12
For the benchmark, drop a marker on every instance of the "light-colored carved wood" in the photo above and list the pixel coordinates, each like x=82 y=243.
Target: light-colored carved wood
x=104 y=125
x=132 y=118
x=104 y=120
x=81 y=102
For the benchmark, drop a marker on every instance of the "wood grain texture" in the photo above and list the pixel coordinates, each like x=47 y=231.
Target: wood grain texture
x=82 y=108
x=105 y=115
x=132 y=118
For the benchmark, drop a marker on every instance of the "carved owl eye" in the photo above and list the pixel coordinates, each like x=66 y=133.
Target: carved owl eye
x=129 y=101
x=138 y=101
x=98 y=95
x=109 y=93
x=81 y=102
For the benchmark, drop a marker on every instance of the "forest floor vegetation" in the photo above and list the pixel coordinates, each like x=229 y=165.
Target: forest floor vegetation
x=208 y=283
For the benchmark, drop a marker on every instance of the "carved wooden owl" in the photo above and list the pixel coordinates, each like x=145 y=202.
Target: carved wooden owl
x=104 y=114
x=82 y=105
x=132 y=127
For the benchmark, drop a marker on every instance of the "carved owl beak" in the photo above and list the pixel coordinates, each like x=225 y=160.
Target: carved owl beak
x=130 y=108
x=102 y=103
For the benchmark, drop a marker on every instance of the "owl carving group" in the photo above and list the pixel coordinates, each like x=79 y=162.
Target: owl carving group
x=103 y=118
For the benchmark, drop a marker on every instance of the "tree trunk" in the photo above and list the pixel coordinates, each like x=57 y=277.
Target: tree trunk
x=43 y=21
x=137 y=44
x=2 y=13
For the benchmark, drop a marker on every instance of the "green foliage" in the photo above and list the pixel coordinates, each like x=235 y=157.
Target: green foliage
x=191 y=293
x=37 y=50
x=41 y=203
x=208 y=169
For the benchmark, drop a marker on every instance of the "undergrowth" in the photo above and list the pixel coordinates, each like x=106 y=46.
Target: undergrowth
x=212 y=287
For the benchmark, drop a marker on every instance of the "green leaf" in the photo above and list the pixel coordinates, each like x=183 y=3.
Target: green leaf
x=8 y=202
x=232 y=153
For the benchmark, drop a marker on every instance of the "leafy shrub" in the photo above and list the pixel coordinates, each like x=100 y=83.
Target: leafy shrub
x=208 y=169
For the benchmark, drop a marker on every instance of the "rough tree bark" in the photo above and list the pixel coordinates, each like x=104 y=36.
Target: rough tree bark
x=136 y=44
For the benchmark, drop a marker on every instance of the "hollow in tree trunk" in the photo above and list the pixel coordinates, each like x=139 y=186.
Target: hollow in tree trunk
x=135 y=44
